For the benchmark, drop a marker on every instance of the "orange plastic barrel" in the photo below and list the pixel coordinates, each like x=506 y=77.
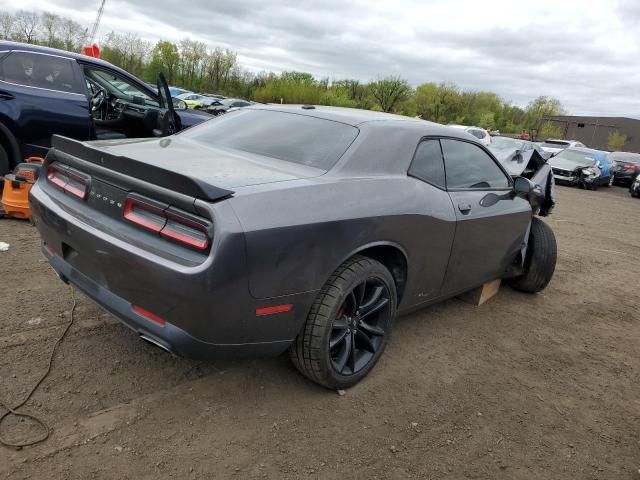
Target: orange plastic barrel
x=15 y=197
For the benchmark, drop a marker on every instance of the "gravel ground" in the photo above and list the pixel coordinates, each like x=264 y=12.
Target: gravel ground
x=525 y=386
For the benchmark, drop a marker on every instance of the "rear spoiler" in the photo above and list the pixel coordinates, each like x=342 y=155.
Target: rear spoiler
x=168 y=179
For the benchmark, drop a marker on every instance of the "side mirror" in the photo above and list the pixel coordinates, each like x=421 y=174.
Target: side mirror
x=523 y=186
x=178 y=104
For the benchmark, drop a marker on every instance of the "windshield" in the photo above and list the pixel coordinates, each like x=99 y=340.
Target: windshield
x=581 y=158
x=292 y=137
x=121 y=88
x=504 y=143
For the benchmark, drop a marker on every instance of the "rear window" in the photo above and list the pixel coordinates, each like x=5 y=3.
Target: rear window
x=296 y=138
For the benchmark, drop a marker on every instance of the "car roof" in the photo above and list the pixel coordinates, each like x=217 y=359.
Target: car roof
x=350 y=116
x=27 y=47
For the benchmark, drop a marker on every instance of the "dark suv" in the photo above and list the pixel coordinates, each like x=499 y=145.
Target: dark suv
x=44 y=91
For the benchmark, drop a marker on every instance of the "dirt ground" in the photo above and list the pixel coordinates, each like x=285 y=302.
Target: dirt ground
x=525 y=386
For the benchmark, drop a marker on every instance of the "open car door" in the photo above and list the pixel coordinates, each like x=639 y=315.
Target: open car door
x=168 y=120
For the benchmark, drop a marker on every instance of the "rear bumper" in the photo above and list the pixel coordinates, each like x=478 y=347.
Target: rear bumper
x=168 y=336
x=207 y=308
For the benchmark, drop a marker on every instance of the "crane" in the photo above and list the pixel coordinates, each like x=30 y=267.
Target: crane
x=96 y=24
x=90 y=48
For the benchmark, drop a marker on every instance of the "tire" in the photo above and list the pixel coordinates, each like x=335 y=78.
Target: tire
x=4 y=160
x=344 y=336
x=540 y=261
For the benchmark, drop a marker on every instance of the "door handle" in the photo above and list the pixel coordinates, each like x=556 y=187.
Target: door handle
x=464 y=208
x=6 y=96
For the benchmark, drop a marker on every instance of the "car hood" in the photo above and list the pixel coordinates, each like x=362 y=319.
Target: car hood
x=513 y=160
x=564 y=164
x=220 y=167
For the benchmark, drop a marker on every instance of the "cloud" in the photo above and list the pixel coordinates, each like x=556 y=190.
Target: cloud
x=583 y=56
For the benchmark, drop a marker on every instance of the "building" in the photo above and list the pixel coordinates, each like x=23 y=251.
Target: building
x=594 y=131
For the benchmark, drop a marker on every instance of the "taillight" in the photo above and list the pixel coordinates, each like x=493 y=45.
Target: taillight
x=69 y=180
x=186 y=231
x=170 y=223
x=144 y=214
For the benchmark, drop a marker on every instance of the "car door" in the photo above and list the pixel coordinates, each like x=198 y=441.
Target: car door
x=43 y=95
x=434 y=227
x=491 y=222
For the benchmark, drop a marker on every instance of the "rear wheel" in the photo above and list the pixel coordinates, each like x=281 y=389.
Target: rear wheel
x=540 y=260
x=348 y=326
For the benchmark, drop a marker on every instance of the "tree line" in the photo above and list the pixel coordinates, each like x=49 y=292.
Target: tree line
x=192 y=65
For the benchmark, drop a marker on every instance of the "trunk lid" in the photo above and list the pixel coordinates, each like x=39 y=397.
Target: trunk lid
x=205 y=165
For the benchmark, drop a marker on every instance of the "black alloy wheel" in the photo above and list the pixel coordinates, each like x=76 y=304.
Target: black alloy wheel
x=360 y=327
x=348 y=326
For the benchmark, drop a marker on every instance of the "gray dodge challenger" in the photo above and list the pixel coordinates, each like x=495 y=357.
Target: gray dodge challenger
x=298 y=228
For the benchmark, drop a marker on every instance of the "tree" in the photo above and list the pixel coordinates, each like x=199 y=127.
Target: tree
x=539 y=109
x=550 y=130
x=165 y=58
x=389 y=92
x=7 y=25
x=616 y=141
x=192 y=54
x=51 y=26
x=71 y=35
x=439 y=102
x=27 y=25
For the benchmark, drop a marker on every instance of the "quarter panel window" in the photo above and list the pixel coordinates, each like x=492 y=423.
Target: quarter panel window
x=469 y=166
x=41 y=71
x=427 y=163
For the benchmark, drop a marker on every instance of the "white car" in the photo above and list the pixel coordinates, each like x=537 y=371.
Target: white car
x=480 y=133
x=556 y=145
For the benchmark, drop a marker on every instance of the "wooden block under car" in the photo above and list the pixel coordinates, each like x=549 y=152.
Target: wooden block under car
x=481 y=294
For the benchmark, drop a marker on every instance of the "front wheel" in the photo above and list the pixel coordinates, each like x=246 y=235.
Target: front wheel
x=540 y=259
x=348 y=326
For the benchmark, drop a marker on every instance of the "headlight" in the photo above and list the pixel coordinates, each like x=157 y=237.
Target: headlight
x=588 y=171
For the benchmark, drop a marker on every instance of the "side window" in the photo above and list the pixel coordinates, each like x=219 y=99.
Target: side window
x=469 y=166
x=427 y=163
x=42 y=71
x=477 y=133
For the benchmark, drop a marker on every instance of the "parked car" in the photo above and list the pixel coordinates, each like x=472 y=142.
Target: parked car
x=194 y=100
x=480 y=133
x=44 y=91
x=556 y=145
x=225 y=104
x=506 y=143
x=232 y=238
x=627 y=166
x=580 y=167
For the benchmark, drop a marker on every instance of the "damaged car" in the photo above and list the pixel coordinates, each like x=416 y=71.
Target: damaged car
x=214 y=243
x=579 y=167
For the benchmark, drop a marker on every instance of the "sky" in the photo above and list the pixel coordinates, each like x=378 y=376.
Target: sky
x=586 y=54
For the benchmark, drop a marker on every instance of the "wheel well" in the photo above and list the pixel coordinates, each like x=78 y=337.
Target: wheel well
x=10 y=145
x=393 y=258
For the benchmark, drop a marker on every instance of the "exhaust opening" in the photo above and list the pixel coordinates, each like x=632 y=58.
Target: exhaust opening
x=155 y=342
